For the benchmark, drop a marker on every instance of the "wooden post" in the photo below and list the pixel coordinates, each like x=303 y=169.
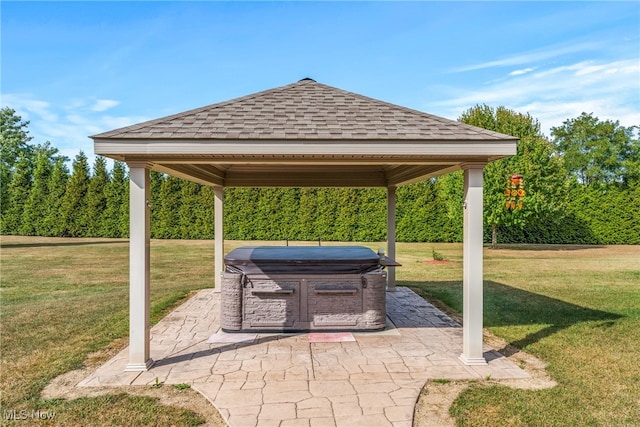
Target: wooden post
x=391 y=236
x=219 y=236
x=139 y=244
x=472 y=298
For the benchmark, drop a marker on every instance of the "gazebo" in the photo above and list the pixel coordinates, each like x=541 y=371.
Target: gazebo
x=305 y=134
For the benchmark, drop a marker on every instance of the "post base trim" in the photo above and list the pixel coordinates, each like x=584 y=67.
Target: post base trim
x=473 y=361
x=139 y=367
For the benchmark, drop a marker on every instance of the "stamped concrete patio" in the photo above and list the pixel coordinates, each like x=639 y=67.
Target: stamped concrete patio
x=315 y=379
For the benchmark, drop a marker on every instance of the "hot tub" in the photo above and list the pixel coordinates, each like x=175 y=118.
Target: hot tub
x=297 y=288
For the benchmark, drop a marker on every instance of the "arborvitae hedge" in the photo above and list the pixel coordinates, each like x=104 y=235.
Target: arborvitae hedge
x=45 y=200
x=75 y=203
x=611 y=213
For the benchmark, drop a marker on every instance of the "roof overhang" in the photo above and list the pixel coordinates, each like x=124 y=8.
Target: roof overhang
x=305 y=164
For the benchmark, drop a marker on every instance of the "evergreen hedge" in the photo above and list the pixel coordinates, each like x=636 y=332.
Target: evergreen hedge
x=47 y=200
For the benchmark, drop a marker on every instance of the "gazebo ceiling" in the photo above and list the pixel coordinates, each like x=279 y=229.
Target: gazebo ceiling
x=304 y=134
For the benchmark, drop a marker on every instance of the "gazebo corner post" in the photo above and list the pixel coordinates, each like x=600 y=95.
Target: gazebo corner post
x=218 y=218
x=139 y=267
x=472 y=352
x=391 y=236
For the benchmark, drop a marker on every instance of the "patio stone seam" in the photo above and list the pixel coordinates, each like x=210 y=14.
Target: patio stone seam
x=313 y=369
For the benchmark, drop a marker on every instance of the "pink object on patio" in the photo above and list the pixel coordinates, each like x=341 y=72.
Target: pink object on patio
x=331 y=337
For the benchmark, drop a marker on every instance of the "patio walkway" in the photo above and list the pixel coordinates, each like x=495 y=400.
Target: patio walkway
x=334 y=379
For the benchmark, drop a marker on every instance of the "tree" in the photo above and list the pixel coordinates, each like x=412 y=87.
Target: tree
x=598 y=152
x=14 y=146
x=450 y=197
x=54 y=222
x=410 y=221
x=115 y=220
x=372 y=215
x=36 y=208
x=14 y=138
x=347 y=213
x=97 y=198
x=324 y=214
x=239 y=212
x=168 y=215
x=205 y=216
x=544 y=173
x=421 y=212
x=188 y=211
x=155 y=184
x=306 y=218
x=288 y=213
x=74 y=204
x=17 y=195
x=266 y=219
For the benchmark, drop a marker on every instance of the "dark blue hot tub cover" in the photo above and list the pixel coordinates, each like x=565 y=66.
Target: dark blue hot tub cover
x=302 y=259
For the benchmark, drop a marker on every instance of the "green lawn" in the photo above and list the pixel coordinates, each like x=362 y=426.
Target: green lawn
x=62 y=299
x=576 y=308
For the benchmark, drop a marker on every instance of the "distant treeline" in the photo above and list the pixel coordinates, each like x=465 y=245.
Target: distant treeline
x=565 y=202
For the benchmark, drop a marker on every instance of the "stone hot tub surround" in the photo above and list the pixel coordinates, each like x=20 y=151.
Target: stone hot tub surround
x=274 y=288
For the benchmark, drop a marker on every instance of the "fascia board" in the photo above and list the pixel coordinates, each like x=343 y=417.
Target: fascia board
x=454 y=148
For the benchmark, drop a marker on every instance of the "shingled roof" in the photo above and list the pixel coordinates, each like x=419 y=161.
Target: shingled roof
x=304 y=134
x=305 y=110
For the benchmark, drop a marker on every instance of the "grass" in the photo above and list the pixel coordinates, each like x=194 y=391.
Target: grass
x=576 y=308
x=63 y=299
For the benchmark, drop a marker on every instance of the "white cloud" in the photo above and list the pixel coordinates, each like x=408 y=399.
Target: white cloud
x=28 y=108
x=609 y=90
x=585 y=68
x=533 y=56
x=67 y=125
x=104 y=104
x=522 y=71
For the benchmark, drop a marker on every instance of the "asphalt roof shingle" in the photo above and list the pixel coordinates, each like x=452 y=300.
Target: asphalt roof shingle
x=305 y=110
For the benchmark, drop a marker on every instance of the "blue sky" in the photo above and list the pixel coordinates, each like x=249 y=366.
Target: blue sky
x=74 y=69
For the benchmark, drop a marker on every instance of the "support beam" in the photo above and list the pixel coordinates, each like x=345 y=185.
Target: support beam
x=391 y=236
x=139 y=243
x=192 y=173
x=472 y=267
x=218 y=231
x=285 y=177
